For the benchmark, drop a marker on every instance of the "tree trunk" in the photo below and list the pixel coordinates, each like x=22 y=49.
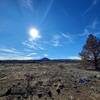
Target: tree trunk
x=96 y=63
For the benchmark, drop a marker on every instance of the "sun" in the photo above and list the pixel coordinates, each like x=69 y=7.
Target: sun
x=34 y=34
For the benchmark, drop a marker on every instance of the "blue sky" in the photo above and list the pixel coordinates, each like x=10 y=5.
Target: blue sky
x=32 y=29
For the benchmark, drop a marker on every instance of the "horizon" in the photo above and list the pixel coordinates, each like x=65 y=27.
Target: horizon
x=39 y=59
x=55 y=29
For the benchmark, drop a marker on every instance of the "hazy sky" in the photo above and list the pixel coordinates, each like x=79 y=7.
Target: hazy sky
x=32 y=29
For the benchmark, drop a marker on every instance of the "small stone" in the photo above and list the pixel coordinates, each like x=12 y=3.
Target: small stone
x=98 y=76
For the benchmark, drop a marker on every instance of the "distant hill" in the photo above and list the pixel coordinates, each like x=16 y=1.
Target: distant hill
x=45 y=59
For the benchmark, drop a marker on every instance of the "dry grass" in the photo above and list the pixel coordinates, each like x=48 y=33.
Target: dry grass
x=49 y=74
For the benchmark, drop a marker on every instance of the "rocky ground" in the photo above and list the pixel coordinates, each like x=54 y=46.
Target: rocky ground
x=48 y=81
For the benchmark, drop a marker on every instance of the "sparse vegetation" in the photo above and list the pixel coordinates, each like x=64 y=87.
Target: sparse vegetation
x=48 y=81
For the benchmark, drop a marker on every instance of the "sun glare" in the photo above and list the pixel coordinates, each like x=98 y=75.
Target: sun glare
x=34 y=34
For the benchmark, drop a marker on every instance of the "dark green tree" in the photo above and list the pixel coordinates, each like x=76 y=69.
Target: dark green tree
x=91 y=51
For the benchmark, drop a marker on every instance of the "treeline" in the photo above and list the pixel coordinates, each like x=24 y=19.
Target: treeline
x=40 y=61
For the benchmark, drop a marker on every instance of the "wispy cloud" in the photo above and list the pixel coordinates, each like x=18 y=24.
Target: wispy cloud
x=59 y=39
x=91 y=28
x=47 y=10
x=85 y=33
x=29 y=44
x=28 y=4
x=65 y=12
x=97 y=34
x=56 y=40
x=14 y=54
x=35 y=45
x=9 y=50
x=94 y=3
x=67 y=36
x=93 y=24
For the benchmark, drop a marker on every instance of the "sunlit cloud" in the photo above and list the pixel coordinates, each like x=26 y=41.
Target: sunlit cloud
x=45 y=55
x=10 y=57
x=32 y=54
x=74 y=57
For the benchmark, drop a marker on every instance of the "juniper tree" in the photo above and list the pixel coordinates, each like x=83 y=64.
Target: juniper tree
x=91 y=51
